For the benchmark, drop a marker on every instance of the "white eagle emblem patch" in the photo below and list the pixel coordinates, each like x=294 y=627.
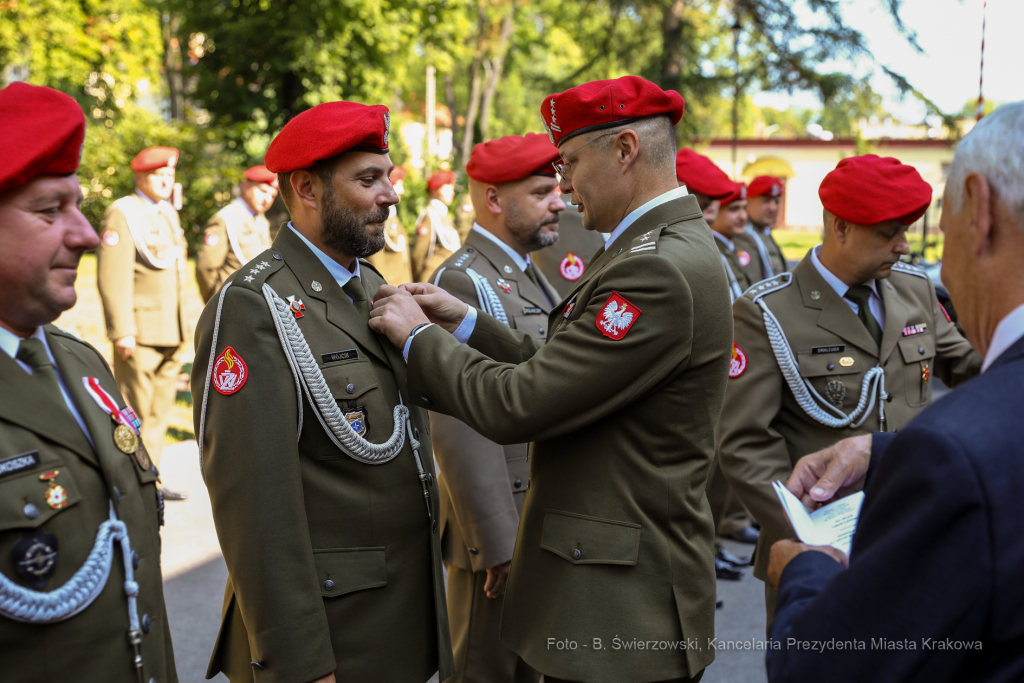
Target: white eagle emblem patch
x=617 y=317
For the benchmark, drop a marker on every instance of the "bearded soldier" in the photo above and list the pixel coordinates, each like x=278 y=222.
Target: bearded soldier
x=320 y=474
x=565 y=261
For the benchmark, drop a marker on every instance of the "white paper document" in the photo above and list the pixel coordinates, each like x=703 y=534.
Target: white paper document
x=831 y=525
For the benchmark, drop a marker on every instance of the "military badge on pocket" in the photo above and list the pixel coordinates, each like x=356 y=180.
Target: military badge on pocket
x=357 y=419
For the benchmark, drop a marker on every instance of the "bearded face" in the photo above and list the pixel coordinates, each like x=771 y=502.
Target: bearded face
x=533 y=232
x=356 y=234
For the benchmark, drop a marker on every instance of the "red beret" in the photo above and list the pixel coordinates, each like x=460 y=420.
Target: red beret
x=397 y=173
x=42 y=134
x=606 y=104
x=869 y=189
x=440 y=178
x=739 y=191
x=702 y=175
x=765 y=186
x=326 y=131
x=261 y=174
x=153 y=158
x=511 y=158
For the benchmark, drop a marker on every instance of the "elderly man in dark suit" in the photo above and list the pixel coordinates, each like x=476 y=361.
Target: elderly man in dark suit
x=932 y=592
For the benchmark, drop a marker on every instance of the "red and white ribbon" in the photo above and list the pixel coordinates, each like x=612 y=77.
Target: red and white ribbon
x=106 y=402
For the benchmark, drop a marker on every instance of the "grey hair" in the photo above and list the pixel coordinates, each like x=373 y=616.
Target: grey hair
x=657 y=139
x=995 y=149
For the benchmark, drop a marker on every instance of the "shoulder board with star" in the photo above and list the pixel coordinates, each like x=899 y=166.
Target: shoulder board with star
x=766 y=287
x=901 y=267
x=646 y=243
x=461 y=259
x=254 y=273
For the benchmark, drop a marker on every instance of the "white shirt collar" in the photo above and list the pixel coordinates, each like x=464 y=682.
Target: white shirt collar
x=10 y=342
x=337 y=271
x=245 y=206
x=640 y=211
x=835 y=283
x=724 y=240
x=1008 y=331
x=512 y=254
x=439 y=206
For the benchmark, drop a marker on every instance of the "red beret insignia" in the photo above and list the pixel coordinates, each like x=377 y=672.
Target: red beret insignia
x=326 y=131
x=765 y=186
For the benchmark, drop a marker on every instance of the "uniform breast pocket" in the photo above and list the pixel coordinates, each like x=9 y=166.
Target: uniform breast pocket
x=835 y=376
x=33 y=489
x=918 y=358
x=590 y=540
x=535 y=325
x=355 y=388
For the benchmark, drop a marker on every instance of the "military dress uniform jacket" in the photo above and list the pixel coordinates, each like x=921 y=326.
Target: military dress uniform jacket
x=740 y=276
x=333 y=564
x=40 y=436
x=769 y=263
x=775 y=254
x=233 y=237
x=616 y=539
x=437 y=238
x=764 y=431
x=482 y=483
x=565 y=261
x=393 y=260
x=140 y=272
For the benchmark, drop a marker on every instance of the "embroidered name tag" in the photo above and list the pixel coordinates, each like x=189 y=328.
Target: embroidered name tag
x=532 y=310
x=19 y=463
x=911 y=330
x=347 y=354
x=828 y=349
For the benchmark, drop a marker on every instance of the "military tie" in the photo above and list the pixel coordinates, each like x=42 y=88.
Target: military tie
x=354 y=289
x=536 y=283
x=31 y=351
x=861 y=295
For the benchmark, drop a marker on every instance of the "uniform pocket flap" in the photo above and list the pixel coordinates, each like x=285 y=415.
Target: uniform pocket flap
x=348 y=381
x=345 y=570
x=825 y=364
x=26 y=500
x=917 y=348
x=590 y=540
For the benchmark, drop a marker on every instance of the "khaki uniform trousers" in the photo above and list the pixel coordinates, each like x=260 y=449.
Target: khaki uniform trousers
x=728 y=512
x=474 y=616
x=148 y=382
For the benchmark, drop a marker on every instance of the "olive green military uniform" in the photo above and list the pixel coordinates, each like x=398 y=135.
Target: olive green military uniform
x=775 y=254
x=233 y=237
x=333 y=564
x=764 y=431
x=755 y=242
x=565 y=261
x=140 y=276
x=616 y=537
x=436 y=239
x=53 y=530
x=482 y=483
x=393 y=260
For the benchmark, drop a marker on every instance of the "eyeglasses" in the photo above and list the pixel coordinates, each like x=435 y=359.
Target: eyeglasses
x=562 y=167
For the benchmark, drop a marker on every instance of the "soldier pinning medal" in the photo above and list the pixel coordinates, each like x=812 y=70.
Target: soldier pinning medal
x=318 y=464
x=764 y=197
x=846 y=344
x=236 y=233
x=81 y=595
x=620 y=402
x=140 y=276
x=393 y=261
x=483 y=484
x=437 y=237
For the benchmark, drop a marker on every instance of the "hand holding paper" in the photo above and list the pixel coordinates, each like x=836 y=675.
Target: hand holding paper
x=831 y=525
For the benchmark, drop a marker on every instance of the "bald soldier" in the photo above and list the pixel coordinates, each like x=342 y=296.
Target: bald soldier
x=856 y=338
x=81 y=594
x=437 y=238
x=236 y=233
x=621 y=402
x=565 y=261
x=140 y=273
x=764 y=197
x=516 y=200
x=319 y=469
x=393 y=260
x=743 y=267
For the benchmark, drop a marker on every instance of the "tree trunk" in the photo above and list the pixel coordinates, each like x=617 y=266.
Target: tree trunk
x=494 y=67
x=471 y=110
x=672 y=44
x=449 y=94
x=172 y=67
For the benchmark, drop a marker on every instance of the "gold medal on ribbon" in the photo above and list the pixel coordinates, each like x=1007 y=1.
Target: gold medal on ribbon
x=142 y=456
x=125 y=439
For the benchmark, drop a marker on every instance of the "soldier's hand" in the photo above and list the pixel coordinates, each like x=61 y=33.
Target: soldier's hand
x=497 y=577
x=125 y=347
x=395 y=313
x=784 y=551
x=441 y=307
x=837 y=471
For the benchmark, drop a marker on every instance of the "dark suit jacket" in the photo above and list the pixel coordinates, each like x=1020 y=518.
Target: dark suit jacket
x=934 y=588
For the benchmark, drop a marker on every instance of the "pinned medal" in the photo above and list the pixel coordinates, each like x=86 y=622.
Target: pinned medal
x=128 y=425
x=572 y=267
x=35 y=557
x=357 y=420
x=125 y=439
x=744 y=257
x=846 y=361
x=508 y=269
x=911 y=330
x=505 y=287
x=926 y=373
x=229 y=372
x=296 y=306
x=56 y=497
x=835 y=391
x=738 y=362
x=316 y=286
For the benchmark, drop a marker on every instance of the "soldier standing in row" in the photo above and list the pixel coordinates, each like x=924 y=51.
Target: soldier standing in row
x=565 y=261
x=81 y=594
x=764 y=195
x=704 y=180
x=437 y=238
x=140 y=276
x=743 y=267
x=393 y=260
x=516 y=200
x=856 y=325
x=236 y=233
x=323 y=493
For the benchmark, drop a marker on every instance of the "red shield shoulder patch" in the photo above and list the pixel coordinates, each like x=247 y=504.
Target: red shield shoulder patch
x=738 y=363
x=229 y=372
x=572 y=267
x=617 y=316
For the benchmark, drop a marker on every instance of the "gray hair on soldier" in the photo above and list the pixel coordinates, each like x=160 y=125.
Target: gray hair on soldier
x=995 y=149
x=657 y=138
